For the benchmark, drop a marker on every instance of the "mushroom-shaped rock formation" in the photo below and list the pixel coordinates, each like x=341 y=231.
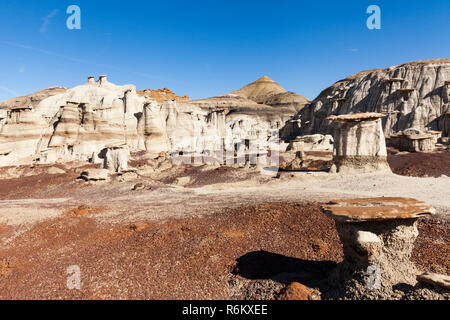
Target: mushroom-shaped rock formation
x=378 y=236
x=414 y=140
x=359 y=143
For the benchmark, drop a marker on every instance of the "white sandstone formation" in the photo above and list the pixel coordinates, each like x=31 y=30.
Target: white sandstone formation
x=359 y=144
x=116 y=158
x=411 y=95
x=60 y=125
x=378 y=236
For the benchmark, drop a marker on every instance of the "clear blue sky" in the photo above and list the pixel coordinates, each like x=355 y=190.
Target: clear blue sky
x=205 y=48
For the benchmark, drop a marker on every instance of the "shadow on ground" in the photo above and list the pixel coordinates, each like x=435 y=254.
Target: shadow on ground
x=257 y=265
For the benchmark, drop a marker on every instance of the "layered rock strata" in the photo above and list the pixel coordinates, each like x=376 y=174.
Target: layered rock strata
x=59 y=125
x=411 y=95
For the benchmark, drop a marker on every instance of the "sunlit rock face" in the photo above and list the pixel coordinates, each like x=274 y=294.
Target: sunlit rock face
x=61 y=125
x=359 y=144
x=411 y=95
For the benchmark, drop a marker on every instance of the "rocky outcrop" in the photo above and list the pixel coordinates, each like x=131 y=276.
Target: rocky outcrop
x=77 y=124
x=162 y=95
x=116 y=158
x=359 y=143
x=411 y=95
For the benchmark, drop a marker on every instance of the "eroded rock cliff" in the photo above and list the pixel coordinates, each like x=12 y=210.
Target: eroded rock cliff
x=81 y=123
x=411 y=95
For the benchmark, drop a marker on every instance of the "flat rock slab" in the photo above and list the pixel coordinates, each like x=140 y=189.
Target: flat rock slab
x=376 y=209
x=357 y=116
x=435 y=279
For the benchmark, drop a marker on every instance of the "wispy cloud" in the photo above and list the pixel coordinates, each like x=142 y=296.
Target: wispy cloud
x=83 y=61
x=47 y=19
x=22 y=69
x=354 y=49
x=8 y=90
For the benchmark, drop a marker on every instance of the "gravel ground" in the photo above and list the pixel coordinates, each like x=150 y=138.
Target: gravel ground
x=207 y=240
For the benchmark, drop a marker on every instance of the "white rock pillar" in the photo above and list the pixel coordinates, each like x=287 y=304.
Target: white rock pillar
x=359 y=143
x=116 y=158
x=91 y=80
x=154 y=129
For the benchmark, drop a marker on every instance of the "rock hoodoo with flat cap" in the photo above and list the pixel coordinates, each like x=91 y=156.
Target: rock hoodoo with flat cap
x=359 y=143
x=378 y=236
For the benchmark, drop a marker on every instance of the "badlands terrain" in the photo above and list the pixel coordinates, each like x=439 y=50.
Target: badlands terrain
x=157 y=196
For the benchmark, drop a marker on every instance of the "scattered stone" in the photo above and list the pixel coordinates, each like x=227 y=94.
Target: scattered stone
x=438 y=280
x=298 y=291
x=138 y=186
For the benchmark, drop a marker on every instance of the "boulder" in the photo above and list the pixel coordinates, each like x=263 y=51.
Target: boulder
x=414 y=140
x=94 y=174
x=298 y=291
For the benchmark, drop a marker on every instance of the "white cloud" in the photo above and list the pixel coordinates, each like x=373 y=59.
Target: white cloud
x=22 y=69
x=47 y=19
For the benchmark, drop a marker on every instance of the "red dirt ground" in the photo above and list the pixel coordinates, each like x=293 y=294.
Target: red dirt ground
x=211 y=257
x=418 y=164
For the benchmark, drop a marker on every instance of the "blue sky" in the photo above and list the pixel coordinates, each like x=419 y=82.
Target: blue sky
x=205 y=48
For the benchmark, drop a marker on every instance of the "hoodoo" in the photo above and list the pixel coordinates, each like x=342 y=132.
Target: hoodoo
x=378 y=237
x=359 y=144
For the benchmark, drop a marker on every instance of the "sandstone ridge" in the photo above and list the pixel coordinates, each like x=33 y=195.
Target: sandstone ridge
x=410 y=95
